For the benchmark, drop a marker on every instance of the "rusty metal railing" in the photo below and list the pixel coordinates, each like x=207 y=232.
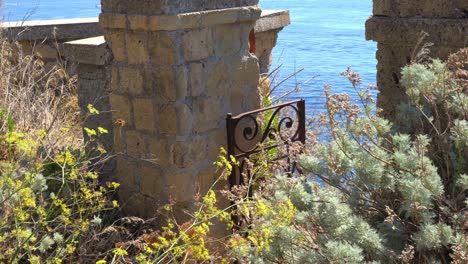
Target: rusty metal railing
x=264 y=130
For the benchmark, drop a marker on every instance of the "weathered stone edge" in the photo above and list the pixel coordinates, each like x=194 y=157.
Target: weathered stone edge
x=272 y=19
x=93 y=51
x=404 y=31
x=426 y=8
x=67 y=29
x=180 y=21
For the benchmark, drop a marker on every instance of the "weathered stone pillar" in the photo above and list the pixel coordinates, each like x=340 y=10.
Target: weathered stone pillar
x=266 y=35
x=92 y=58
x=397 y=25
x=179 y=66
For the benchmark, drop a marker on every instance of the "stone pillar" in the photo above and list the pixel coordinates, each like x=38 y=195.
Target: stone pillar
x=179 y=67
x=397 y=25
x=266 y=35
x=92 y=57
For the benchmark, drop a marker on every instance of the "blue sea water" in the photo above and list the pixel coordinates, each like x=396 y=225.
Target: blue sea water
x=324 y=38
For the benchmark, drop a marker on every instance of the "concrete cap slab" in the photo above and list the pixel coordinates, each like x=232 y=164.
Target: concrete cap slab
x=272 y=20
x=407 y=31
x=93 y=51
x=63 y=29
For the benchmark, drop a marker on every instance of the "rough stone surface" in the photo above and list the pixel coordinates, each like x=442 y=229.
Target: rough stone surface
x=421 y=8
x=406 y=31
x=397 y=25
x=198 y=44
x=162 y=49
x=170 y=7
x=143 y=110
x=93 y=51
x=117 y=42
x=151 y=183
x=182 y=66
x=265 y=41
x=131 y=81
x=59 y=30
x=121 y=108
x=164 y=76
x=272 y=20
x=137 y=48
x=136 y=145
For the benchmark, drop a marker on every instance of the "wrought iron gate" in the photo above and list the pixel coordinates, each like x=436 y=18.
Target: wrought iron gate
x=264 y=130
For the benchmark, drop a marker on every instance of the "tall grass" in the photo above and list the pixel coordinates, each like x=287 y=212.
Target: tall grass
x=35 y=97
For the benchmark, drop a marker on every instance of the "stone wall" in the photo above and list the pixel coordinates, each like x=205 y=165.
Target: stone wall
x=163 y=77
x=46 y=37
x=174 y=78
x=397 y=25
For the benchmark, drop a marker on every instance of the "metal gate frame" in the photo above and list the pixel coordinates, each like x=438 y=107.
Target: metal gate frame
x=252 y=132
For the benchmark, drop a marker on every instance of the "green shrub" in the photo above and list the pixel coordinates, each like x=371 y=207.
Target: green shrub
x=50 y=199
x=374 y=193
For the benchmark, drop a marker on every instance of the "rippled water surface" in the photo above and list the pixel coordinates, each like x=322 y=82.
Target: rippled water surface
x=324 y=38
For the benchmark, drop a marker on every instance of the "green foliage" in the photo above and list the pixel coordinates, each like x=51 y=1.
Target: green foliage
x=49 y=198
x=375 y=191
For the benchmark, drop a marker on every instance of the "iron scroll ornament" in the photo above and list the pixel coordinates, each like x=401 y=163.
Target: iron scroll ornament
x=257 y=135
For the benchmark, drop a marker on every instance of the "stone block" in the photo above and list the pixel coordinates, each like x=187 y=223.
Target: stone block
x=125 y=176
x=138 y=22
x=131 y=80
x=164 y=84
x=189 y=20
x=167 y=84
x=218 y=140
x=249 y=13
x=55 y=30
x=218 y=80
x=143 y=7
x=184 y=154
x=117 y=42
x=119 y=143
x=162 y=48
x=170 y=7
x=218 y=17
x=272 y=20
x=197 y=85
x=92 y=51
x=407 y=31
x=121 y=108
x=421 y=8
x=181 y=82
x=158 y=150
x=143 y=113
x=265 y=42
x=246 y=70
x=174 y=22
x=115 y=80
x=151 y=183
x=178 y=181
x=208 y=113
x=206 y=177
x=197 y=44
x=137 y=48
x=136 y=145
x=227 y=39
x=113 y=21
x=184 y=119
x=166 y=120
